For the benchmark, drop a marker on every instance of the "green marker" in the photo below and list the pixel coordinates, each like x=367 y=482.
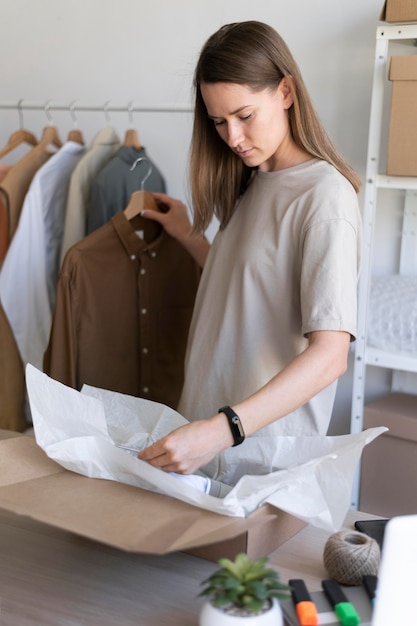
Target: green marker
x=344 y=609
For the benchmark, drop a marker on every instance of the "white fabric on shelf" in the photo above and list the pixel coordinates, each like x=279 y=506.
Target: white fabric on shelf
x=392 y=321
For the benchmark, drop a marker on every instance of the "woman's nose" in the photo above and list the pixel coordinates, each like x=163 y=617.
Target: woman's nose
x=234 y=135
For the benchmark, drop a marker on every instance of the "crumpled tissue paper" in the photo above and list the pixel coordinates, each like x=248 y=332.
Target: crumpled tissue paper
x=308 y=477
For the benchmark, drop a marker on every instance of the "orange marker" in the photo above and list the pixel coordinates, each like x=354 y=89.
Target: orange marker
x=304 y=606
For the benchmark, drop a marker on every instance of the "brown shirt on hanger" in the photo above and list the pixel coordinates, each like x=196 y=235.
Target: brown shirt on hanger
x=12 y=380
x=123 y=309
x=4 y=228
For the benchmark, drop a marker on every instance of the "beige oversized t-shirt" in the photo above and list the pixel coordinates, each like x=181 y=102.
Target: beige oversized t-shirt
x=285 y=265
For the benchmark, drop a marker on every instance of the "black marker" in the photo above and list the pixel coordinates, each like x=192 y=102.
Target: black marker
x=344 y=609
x=304 y=606
x=370 y=582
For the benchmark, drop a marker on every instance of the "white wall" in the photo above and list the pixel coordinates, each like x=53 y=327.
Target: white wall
x=93 y=51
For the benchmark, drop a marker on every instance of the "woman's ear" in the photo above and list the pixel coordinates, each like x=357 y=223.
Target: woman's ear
x=286 y=89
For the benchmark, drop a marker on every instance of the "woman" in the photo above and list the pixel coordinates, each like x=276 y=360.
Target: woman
x=276 y=307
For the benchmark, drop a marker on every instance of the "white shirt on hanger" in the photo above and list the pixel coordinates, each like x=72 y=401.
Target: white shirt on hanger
x=30 y=270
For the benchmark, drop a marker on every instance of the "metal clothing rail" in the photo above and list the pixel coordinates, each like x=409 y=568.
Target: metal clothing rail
x=107 y=107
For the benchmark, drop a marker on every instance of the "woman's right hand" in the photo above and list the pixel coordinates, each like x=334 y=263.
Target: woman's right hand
x=173 y=216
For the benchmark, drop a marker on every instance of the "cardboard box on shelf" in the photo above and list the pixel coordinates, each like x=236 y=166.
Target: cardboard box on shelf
x=402 y=152
x=126 y=517
x=399 y=11
x=389 y=466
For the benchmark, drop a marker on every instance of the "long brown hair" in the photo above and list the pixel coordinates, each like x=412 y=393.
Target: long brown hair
x=253 y=54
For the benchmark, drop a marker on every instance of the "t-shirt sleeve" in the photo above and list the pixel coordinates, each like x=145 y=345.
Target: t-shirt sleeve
x=329 y=277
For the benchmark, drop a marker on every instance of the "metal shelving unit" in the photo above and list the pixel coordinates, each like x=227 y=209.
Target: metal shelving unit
x=375 y=184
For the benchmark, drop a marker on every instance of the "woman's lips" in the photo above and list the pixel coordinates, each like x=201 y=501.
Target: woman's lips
x=244 y=153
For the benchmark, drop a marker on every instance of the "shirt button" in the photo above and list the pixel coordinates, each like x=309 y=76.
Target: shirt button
x=145 y=350
x=144 y=311
x=145 y=389
x=132 y=257
x=143 y=271
x=153 y=253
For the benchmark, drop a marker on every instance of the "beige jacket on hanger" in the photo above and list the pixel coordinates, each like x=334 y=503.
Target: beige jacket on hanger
x=16 y=183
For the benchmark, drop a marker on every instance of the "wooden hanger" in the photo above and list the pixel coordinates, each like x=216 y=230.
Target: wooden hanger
x=16 y=139
x=50 y=132
x=140 y=200
x=131 y=137
x=20 y=136
x=50 y=136
x=75 y=134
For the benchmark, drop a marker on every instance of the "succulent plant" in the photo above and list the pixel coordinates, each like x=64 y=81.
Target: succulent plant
x=245 y=584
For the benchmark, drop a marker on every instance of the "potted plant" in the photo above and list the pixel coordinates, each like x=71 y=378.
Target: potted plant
x=243 y=591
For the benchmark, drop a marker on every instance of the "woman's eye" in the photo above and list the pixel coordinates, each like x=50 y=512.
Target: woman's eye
x=218 y=122
x=246 y=117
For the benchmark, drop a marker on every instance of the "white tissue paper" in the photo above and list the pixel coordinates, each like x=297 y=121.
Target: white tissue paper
x=308 y=477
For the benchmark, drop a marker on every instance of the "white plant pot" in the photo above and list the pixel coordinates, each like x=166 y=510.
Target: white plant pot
x=211 y=616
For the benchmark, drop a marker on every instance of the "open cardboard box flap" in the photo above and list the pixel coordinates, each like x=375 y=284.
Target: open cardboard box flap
x=125 y=517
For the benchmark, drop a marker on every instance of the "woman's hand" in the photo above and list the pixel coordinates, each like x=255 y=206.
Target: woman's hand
x=173 y=216
x=189 y=447
x=194 y=445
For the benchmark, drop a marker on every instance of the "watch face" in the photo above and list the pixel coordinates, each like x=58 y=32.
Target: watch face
x=238 y=424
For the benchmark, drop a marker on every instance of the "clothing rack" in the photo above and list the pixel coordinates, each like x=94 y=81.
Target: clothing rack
x=73 y=106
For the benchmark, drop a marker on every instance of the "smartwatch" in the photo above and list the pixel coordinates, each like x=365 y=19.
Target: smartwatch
x=235 y=425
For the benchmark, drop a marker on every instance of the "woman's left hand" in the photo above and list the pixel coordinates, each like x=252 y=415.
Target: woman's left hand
x=186 y=449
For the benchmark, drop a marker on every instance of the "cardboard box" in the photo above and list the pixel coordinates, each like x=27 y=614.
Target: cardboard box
x=126 y=517
x=389 y=465
x=402 y=144
x=399 y=11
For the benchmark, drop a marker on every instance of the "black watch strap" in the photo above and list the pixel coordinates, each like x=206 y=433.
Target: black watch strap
x=235 y=425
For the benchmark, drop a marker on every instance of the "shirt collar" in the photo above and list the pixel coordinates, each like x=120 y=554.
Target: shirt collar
x=126 y=231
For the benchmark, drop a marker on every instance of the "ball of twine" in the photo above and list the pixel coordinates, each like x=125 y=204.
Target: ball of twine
x=350 y=555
